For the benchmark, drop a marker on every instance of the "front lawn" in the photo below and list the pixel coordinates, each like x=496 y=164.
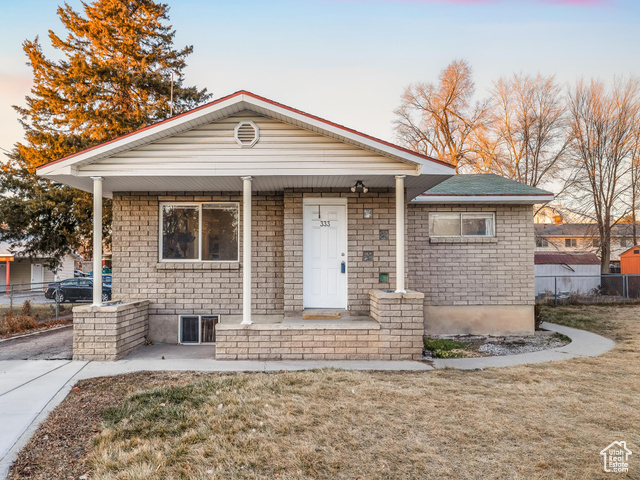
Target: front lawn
x=540 y=421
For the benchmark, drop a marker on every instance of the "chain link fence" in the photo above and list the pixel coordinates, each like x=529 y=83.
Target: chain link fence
x=40 y=300
x=587 y=289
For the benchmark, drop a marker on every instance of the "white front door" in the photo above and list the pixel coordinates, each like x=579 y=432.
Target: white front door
x=325 y=256
x=37 y=274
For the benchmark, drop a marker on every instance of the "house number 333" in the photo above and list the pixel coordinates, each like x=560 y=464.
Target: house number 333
x=325 y=223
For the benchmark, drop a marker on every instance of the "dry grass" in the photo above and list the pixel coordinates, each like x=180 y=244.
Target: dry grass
x=543 y=421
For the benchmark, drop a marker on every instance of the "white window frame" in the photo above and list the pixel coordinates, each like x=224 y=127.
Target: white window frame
x=460 y=214
x=200 y=209
x=200 y=342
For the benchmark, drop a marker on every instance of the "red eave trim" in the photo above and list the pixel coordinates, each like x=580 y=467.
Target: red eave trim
x=258 y=97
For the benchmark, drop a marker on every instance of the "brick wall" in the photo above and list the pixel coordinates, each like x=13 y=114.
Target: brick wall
x=485 y=271
x=299 y=342
x=195 y=287
x=109 y=332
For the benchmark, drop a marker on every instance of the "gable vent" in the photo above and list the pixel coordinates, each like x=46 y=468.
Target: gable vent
x=246 y=134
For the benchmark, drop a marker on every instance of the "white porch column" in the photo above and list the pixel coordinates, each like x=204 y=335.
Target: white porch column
x=400 y=199
x=97 y=240
x=246 y=251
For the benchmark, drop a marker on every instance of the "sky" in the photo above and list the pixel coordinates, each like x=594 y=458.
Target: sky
x=350 y=60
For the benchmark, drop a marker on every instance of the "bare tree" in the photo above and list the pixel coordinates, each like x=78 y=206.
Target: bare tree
x=525 y=137
x=440 y=119
x=603 y=127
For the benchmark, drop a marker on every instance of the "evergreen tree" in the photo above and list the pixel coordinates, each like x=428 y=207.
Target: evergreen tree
x=117 y=72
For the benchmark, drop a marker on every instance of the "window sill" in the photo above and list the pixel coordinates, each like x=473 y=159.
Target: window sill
x=464 y=240
x=198 y=266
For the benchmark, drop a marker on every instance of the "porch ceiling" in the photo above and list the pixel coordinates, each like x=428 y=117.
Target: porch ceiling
x=415 y=185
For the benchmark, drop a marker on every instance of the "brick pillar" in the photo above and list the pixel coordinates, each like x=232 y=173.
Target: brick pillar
x=401 y=318
x=109 y=332
x=293 y=228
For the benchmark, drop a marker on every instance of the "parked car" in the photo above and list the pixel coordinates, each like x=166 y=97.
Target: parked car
x=80 y=273
x=75 y=289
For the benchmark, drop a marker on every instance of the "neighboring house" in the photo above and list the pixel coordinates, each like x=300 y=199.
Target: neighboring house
x=558 y=214
x=582 y=237
x=19 y=269
x=566 y=273
x=280 y=235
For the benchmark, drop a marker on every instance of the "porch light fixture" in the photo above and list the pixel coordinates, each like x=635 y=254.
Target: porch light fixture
x=360 y=185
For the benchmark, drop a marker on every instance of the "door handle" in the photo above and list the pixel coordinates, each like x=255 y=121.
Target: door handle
x=343 y=267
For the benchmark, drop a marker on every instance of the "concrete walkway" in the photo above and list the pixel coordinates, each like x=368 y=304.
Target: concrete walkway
x=27 y=388
x=31 y=389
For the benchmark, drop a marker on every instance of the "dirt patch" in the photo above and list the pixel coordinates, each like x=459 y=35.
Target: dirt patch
x=543 y=421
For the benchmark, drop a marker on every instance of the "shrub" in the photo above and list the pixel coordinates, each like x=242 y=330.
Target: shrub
x=20 y=323
x=537 y=315
x=11 y=323
x=444 y=347
x=26 y=308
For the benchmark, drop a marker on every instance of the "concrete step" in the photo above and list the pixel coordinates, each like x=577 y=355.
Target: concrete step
x=322 y=314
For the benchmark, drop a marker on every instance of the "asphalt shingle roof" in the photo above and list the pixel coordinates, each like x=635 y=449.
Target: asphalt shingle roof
x=483 y=184
x=566 y=258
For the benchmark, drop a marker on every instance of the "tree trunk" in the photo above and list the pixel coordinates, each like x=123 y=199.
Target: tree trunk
x=605 y=259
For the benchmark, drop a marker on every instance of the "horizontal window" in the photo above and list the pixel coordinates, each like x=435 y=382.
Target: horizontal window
x=570 y=242
x=203 y=231
x=465 y=224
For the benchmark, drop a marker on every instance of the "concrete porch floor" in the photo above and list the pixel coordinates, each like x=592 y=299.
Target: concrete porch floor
x=173 y=352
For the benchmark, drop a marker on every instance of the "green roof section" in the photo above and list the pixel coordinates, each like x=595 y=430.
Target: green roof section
x=482 y=185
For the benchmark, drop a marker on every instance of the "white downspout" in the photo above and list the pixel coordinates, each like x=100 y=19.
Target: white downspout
x=246 y=251
x=97 y=240
x=400 y=199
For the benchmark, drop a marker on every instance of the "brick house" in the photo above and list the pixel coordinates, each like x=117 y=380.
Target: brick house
x=354 y=248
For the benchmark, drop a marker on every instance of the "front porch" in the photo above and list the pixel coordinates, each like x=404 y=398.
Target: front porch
x=393 y=332
x=261 y=300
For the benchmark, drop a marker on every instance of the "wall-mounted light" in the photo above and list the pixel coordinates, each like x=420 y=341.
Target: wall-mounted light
x=360 y=185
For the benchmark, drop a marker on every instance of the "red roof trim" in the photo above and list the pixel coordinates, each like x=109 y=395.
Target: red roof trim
x=258 y=97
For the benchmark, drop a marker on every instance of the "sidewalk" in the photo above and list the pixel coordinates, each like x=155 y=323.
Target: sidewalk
x=26 y=390
x=31 y=389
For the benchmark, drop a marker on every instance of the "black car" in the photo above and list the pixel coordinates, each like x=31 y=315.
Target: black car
x=75 y=289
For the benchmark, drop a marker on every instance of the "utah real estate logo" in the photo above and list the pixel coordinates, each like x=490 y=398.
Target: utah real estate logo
x=616 y=457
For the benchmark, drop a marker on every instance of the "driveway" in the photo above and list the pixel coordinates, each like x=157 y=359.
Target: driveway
x=53 y=345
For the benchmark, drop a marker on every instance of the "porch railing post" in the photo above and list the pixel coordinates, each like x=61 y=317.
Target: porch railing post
x=97 y=240
x=400 y=199
x=246 y=250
